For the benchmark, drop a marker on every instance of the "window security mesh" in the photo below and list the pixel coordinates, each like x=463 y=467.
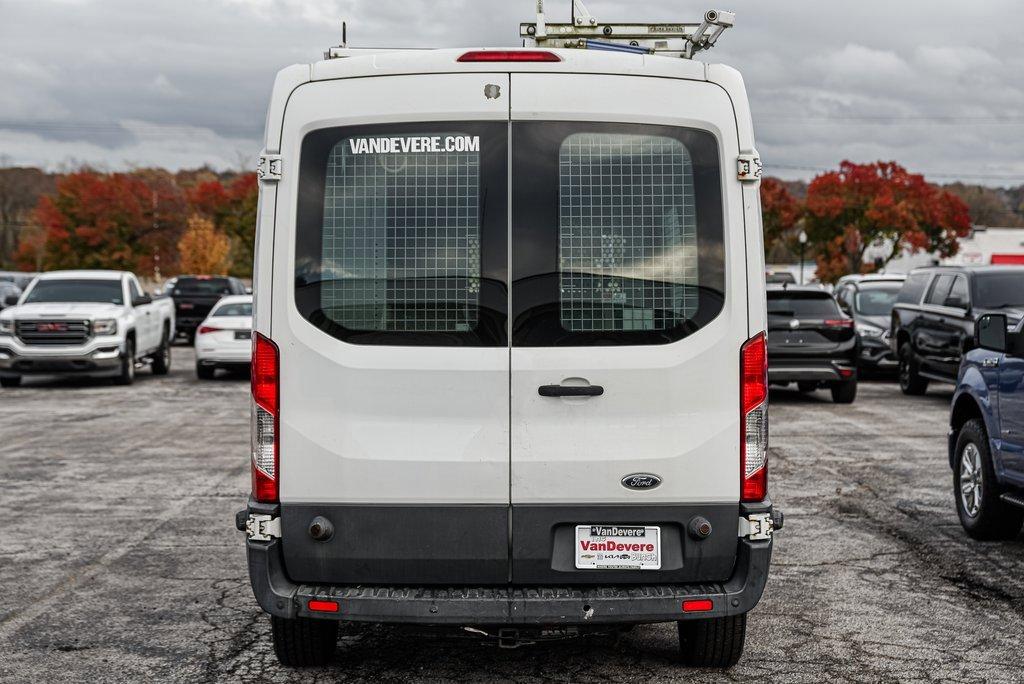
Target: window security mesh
x=627 y=233
x=401 y=240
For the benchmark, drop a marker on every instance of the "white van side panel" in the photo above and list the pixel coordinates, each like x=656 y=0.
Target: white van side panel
x=668 y=409
x=384 y=424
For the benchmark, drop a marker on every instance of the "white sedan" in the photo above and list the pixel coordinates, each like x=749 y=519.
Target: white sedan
x=224 y=339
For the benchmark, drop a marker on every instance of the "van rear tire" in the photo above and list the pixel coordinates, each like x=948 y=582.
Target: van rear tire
x=303 y=642
x=712 y=642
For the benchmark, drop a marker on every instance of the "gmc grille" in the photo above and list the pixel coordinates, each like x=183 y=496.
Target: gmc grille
x=52 y=332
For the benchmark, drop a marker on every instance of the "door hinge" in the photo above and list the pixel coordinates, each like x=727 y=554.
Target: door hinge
x=757 y=526
x=748 y=167
x=269 y=168
x=261 y=527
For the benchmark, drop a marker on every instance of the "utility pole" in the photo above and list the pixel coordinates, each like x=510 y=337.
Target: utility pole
x=803 y=245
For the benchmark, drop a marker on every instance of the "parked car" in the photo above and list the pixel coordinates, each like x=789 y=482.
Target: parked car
x=986 y=435
x=779 y=277
x=933 y=319
x=9 y=294
x=20 y=278
x=194 y=297
x=92 y=323
x=224 y=339
x=811 y=342
x=869 y=301
x=568 y=446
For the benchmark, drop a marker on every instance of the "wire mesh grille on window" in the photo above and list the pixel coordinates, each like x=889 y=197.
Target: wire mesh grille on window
x=627 y=233
x=401 y=240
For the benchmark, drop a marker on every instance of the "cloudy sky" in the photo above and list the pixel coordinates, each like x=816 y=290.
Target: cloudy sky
x=937 y=85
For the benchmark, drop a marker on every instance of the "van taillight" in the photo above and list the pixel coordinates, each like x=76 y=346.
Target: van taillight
x=509 y=56
x=264 y=424
x=754 y=419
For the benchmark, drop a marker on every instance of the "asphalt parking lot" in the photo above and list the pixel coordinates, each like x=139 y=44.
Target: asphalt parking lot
x=119 y=560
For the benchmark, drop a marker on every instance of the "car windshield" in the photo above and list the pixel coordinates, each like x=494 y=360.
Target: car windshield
x=877 y=300
x=234 y=309
x=76 y=290
x=1000 y=290
x=802 y=305
x=202 y=286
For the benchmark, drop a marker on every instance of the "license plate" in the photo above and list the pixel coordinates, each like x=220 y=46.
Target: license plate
x=618 y=547
x=243 y=335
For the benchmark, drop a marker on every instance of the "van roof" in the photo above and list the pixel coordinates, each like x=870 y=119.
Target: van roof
x=362 y=63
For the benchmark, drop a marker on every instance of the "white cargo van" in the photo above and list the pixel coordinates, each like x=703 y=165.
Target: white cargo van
x=509 y=362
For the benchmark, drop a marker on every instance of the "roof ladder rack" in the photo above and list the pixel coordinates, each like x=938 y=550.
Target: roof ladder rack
x=585 y=32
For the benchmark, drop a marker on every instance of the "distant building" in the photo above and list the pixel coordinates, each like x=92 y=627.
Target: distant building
x=991 y=246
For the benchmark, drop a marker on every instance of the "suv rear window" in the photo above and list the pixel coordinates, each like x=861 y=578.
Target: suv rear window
x=999 y=290
x=802 y=305
x=202 y=286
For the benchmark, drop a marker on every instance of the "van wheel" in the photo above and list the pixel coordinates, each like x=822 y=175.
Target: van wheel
x=983 y=514
x=844 y=392
x=162 y=356
x=910 y=381
x=712 y=642
x=127 y=375
x=302 y=642
x=205 y=372
x=10 y=381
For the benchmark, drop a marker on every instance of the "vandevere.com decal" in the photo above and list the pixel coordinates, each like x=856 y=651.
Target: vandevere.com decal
x=411 y=145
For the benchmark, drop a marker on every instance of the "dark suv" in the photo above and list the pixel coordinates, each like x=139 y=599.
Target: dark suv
x=811 y=342
x=195 y=295
x=934 y=316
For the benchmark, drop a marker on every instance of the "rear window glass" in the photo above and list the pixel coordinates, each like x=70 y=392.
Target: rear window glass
x=84 y=290
x=233 y=309
x=402 y=233
x=627 y=233
x=1000 y=290
x=876 y=300
x=202 y=286
x=802 y=306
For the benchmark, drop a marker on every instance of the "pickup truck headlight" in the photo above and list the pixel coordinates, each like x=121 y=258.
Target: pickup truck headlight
x=6 y=327
x=104 y=326
x=865 y=330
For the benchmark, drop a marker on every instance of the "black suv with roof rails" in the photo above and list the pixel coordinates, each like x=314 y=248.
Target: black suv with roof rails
x=811 y=342
x=933 y=319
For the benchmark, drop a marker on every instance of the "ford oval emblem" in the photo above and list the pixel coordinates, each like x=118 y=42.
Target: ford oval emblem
x=641 y=481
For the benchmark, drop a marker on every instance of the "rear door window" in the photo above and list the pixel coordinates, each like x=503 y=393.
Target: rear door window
x=200 y=287
x=402 y=233
x=940 y=290
x=617 y=233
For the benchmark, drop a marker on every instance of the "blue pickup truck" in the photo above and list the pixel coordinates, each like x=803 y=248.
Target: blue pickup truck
x=986 y=432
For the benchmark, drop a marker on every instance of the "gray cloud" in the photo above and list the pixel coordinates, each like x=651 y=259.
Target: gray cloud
x=119 y=83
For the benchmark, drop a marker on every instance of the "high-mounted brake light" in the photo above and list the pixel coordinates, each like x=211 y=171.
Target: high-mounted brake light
x=203 y=329
x=754 y=419
x=509 y=56
x=265 y=424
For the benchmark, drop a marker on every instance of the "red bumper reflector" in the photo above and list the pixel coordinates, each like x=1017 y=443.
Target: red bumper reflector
x=846 y=372
x=323 y=606
x=509 y=56
x=698 y=606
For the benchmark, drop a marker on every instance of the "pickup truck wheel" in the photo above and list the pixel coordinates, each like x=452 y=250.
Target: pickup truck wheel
x=302 y=642
x=910 y=381
x=10 y=381
x=713 y=642
x=205 y=372
x=844 y=392
x=127 y=375
x=162 y=356
x=983 y=514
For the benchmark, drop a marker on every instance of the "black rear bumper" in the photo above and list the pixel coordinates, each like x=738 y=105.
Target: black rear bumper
x=511 y=604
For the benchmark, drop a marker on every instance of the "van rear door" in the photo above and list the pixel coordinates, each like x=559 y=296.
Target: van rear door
x=629 y=309
x=390 y=301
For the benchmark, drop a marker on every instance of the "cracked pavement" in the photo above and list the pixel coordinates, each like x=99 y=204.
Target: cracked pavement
x=120 y=562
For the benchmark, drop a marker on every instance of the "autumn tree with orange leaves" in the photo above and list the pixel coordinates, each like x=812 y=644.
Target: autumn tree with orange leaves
x=860 y=205
x=780 y=213
x=232 y=209
x=203 y=249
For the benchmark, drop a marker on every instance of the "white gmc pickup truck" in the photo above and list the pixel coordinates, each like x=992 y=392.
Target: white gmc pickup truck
x=92 y=323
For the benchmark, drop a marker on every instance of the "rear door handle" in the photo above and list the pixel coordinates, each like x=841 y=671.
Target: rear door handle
x=570 y=391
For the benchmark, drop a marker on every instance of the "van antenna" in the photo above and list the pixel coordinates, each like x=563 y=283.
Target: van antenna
x=585 y=32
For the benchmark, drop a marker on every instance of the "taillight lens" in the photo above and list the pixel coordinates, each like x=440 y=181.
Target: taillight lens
x=264 y=423
x=839 y=323
x=203 y=329
x=509 y=56
x=754 y=419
